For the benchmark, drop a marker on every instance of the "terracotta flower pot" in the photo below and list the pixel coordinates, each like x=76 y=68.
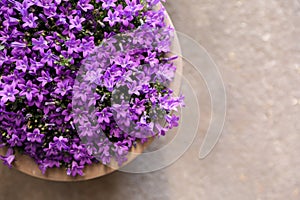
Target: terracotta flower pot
x=27 y=165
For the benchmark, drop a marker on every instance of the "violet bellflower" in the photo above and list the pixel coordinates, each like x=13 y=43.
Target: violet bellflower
x=76 y=23
x=30 y=21
x=49 y=58
x=104 y=116
x=45 y=78
x=9 y=92
x=4 y=58
x=28 y=90
x=73 y=45
x=15 y=140
x=22 y=64
x=8 y=158
x=87 y=45
x=62 y=88
x=106 y=4
x=34 y=66
x=40 y=44
x=23 y=7
x=61 y=143
x=112 y=18
x=75 y=169
x=35 y=136
x=84 y=5
x=133 y=7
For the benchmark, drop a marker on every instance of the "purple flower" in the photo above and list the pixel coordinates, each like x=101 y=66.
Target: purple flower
x=8 y=158
x=153 y=2
x=14 y=140
x=120 y=152
x=44 y=3
x=23 y=8
x=16 y=33
x=160 y=129
x=4 y=37
x=62 y=88
x=172 y=120
x=87 y=46
x=4 y=58
x=61 y=143
x=106 y=4
x=50 y=11
x=35 y=136
x=67 y=113
x=31 y=149
x=28 y=90
x=104 y=151
x=151 y=59
x=63 y=75
x=86 y=129
x=45 y=78
x=40 y=94
x=19 y=45
x=121 y=110
x=134 y=88
x=112 y=18
x=35 y=65
x=104 y=116
x=51 y=150
x=76 y=23
x=10 y=21
x=48 y=163
x=80 y=154
x=49 y=58
x=133 y=7
x=166 y=72
x=124 y=62
x=8 y=93
x=40 y=44
x=75 y=169
x=62 y=19
x=84 y=5
x=22 y=64
x=29 y=21
x=73 y=45
x=172 y=104
x=80 y=116
x=108 y=82
x=138 y=106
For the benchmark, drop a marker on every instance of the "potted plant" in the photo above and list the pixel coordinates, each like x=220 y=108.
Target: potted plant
x=61 y=62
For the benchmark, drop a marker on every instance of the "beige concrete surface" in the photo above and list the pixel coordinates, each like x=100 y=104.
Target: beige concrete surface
x=256 y=45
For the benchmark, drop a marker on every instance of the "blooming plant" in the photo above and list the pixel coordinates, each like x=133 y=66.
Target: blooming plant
x=74 y=93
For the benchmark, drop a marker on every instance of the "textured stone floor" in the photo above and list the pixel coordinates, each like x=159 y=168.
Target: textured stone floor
x=256 y=46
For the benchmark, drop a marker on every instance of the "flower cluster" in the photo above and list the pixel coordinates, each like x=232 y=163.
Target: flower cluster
x=72 y=91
